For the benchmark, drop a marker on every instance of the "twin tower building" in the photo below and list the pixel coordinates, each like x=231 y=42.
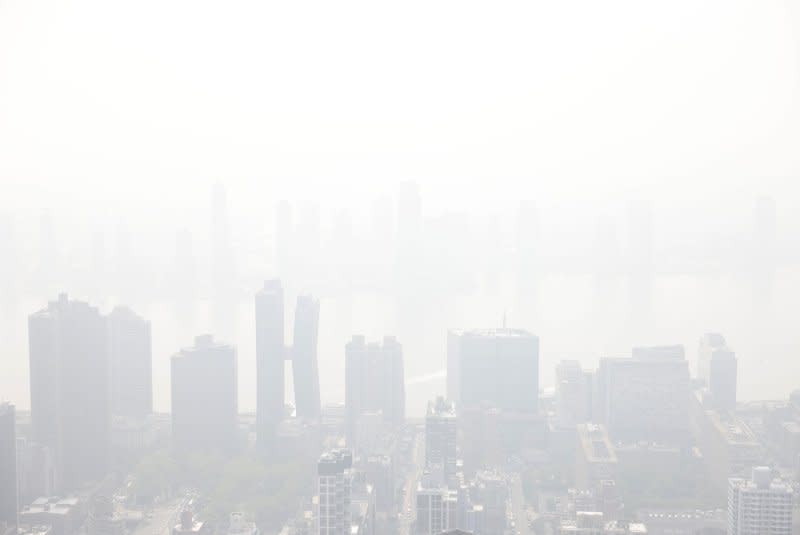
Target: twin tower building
x=204 y=378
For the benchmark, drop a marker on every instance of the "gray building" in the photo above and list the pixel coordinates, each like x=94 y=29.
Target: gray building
x=305 y=369
x=716 y=365
x=496 y=368
x=204 y=397
x=70 y=388
x=9 y=501
x=646 y=396
x=131 y=364
x=374 y=381
x=270 y=357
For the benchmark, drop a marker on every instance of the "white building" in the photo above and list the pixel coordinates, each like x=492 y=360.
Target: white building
x=334 y=487
x=760 y=505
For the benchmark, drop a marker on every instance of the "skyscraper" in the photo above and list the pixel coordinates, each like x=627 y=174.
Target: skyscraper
x=573 y=393
x=204 y=397
x=759 y=505
x=70 y=388
x=131 y=364
x=441 y=434
x=270 y=356
x=304 y=357
x=334 y=487
x=646 y=396
x=374 y=380
x=9 y=505
x=716 y=365
x=497 y=368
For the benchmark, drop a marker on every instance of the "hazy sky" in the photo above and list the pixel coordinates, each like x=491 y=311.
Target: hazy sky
x=149 y=102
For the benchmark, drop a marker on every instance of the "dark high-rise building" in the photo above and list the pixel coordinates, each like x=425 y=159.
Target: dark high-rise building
x=374 y=381
x=441 y=434
x=304 y=358
x=270 y=356
x=9 y=503
x=131 y=364
x=70 y=388
x=204 y=397
x=497 y=368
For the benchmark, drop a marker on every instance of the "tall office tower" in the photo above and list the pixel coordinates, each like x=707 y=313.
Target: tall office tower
x=9 y=268
x=70 y=389
x=283 y=238
x=646 y=396
x=49 y=255
x=391 y=378
x=573 y=393
x=334 y=487
x=716 y=365
x=640 y=257
x=9 y=503
x=356 y=385
x=437 y=510
x=185 y=278
x=222 y=250
x=527 y=237
x=441 y=437
x=204 y=397
x=374 y=381
x=270 y=356
x=497 y=368
x=759 y=505
x=131 y=364
x=305 y=370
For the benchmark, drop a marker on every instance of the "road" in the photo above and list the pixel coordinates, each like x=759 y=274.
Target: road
x=518 y=508
x=407 y=512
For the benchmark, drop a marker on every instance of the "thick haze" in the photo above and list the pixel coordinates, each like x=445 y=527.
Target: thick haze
x=117 y=118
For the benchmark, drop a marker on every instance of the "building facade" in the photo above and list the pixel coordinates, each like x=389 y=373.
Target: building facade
x=205 y=397
x=70 y=388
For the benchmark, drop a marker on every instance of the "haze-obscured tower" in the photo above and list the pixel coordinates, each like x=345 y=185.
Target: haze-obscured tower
x=70 y=388
x=573 y=393
x=205 y=397
x=498 y=368
x=304 y=357
x=131 y=364
x=9 y=502
x=374 y=381
x=646 y=396
x=270 y=356
x=717 y=366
